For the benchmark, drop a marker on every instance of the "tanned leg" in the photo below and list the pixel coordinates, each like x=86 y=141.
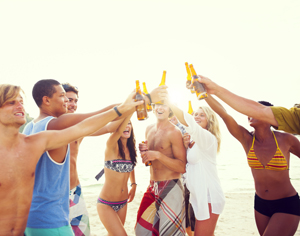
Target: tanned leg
x=206 y=227
x=111 y=220
x=282 y=224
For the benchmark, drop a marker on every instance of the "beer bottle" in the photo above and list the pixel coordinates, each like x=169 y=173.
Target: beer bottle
x=198 y=87
x=163 y=79
x=190 y=111
x=141 y=110
x=148 y=163
x=189 y=77
x=163 y=82
x=149 y=107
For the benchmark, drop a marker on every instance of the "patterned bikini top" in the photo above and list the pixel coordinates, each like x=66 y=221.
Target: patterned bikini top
x=278 y=162
x=118 y=165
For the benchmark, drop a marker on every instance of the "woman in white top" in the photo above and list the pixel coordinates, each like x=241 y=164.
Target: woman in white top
x=206 y=195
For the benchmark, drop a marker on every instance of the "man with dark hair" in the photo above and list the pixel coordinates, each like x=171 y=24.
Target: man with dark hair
x=279 y=117
x=165 y=149
x=79 y=218
x=19 y=155
x=50 y=205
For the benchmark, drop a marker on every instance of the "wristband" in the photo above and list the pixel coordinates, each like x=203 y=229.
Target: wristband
x=117 y=111
x=148 y=95
x=132 y=184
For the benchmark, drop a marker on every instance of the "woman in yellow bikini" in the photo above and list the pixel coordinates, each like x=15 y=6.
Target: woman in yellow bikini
x=277 y=204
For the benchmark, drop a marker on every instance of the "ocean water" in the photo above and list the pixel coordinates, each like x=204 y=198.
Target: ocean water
x=234 y=172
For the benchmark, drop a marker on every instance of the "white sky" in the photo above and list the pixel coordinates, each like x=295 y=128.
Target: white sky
x=250 y=47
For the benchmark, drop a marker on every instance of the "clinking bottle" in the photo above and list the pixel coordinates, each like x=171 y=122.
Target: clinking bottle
x=149 y=107
x=198 y=87
x=141 y=110
x=189 y=77
x=163 y=82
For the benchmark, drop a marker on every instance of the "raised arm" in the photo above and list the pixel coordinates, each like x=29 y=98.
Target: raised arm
x=243 y=105
x=109 y=128
x=237 y=131
x=295 y=145
x=70 y=119
x=114 y=137
x=59 y=138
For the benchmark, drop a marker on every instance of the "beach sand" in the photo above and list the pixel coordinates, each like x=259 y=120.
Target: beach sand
x=237 y=218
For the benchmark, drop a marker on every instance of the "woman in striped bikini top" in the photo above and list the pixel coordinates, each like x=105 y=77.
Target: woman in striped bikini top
x=276 y=200
x=278 y=161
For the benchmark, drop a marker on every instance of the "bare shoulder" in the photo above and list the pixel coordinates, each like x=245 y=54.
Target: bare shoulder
x=285 y=137
x=149 y=128
x=173 y=132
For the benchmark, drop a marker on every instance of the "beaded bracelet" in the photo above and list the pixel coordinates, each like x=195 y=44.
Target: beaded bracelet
x=132 y=184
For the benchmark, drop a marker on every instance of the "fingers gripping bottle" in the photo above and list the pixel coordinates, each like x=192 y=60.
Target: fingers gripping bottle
x=198 y=87
x=148 y=163
x=149 y=107
x=189 y=77
x=141 y=110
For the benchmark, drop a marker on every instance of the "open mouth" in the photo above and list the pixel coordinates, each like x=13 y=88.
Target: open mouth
x=19 y=114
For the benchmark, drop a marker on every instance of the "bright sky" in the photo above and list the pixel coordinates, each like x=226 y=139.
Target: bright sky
x=250 y=47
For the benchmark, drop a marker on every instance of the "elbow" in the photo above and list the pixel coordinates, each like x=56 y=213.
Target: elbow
x=182 y=169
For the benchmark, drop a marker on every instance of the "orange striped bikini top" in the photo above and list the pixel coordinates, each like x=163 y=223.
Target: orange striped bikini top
x=278 y=162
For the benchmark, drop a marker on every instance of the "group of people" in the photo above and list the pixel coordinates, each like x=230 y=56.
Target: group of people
x=41 y=192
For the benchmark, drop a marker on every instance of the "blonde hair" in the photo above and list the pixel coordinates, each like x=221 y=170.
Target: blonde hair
x=212 y=124
x=8 y=92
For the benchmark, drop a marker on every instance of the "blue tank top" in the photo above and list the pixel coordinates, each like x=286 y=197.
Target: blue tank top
x=50 y=200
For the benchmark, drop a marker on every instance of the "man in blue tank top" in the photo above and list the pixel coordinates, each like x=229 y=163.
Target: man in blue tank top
x=49 y=210
x=19 y=155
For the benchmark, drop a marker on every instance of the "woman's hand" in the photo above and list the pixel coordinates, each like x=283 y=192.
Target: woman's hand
x=186 y=140
x=131 y=193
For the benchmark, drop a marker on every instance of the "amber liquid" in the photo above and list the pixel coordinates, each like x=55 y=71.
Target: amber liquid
x=148 y=163
x=141 y=110
x=199 y=88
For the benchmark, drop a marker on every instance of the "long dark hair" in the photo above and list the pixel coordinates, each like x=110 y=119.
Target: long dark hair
x=131 y=146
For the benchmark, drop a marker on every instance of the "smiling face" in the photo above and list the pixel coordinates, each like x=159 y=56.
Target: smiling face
x=201 y=118
x=127 y=132
x=12 y=112
x=59 y=101
x=72 y=103
x=161 y=111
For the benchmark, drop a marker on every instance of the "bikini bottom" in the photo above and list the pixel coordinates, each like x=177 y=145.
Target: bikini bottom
x=289 y=205
x=114 y=205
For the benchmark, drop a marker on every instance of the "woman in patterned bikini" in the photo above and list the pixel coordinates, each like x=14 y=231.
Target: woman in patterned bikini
x=120 y=159
x=277 y=204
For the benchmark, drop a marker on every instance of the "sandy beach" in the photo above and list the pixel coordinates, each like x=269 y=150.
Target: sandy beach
x=236 y=220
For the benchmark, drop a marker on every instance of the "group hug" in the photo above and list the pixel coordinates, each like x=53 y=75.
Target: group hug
x=40 y=191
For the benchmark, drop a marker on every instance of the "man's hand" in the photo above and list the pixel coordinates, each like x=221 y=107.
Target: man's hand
x=159 y=93
x=129 y=103
x=149 y=156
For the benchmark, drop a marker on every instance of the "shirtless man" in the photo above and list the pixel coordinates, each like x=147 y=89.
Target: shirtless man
x=49 y=210
x=19 y=154
x=165 y=195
